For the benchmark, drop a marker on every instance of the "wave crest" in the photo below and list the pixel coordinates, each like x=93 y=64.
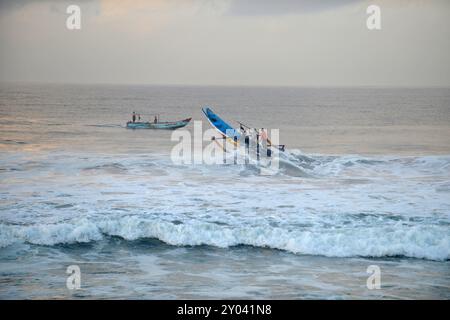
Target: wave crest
x=427 y=242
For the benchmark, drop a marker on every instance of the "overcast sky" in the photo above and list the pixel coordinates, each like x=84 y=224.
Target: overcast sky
x=227 y=42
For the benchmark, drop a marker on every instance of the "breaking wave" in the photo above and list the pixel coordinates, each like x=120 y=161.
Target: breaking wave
x=330 y=205
x=419 y=241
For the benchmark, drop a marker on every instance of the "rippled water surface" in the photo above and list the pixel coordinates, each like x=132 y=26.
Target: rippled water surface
x=365 y=181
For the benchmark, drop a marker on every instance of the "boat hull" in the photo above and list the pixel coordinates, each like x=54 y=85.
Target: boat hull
x=220 y=125
x=158 y=125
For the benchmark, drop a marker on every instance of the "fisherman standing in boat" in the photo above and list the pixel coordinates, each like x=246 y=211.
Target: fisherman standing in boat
x=266 y=142
x=134 y=116
x=264 y=136
x=156 y=119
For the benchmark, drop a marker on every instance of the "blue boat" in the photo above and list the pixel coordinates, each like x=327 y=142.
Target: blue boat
x=228 y=131
x=158 y=125
x=224 y=128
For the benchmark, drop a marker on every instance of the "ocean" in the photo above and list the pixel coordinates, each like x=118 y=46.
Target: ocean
x=365 y=182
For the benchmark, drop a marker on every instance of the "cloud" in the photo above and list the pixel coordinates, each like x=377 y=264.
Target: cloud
x=15 y=4
x=303 y=42
x=12 y=6
x=284 y=7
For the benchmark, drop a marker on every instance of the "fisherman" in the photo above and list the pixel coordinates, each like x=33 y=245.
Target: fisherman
x=264 y=135
x=156 y=119
x=134 y=116
x=246 y=139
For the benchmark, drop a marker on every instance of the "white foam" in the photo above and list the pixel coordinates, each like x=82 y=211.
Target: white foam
x=50 y=234
x=428 y=241
x=351 y=206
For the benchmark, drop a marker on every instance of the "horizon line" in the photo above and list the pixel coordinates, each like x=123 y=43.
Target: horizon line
x=77 y=83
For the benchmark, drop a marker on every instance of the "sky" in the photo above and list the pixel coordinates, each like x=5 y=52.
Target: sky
x=227 y=42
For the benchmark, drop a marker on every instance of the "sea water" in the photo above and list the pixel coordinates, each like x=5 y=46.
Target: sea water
x=366 y=182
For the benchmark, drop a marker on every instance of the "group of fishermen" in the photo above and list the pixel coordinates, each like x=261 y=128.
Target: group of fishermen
x=138 y=116
x=261 y=135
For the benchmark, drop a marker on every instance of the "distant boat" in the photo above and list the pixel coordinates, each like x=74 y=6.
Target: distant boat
x=169 y=125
